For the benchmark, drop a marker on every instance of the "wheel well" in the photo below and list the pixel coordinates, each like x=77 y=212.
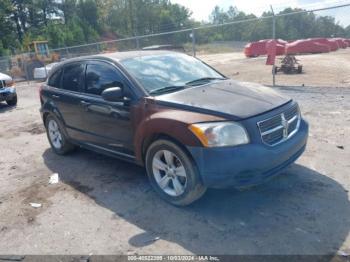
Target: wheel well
x=45 y=115
x=149 y=140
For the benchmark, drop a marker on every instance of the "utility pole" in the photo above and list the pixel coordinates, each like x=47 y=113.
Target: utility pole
x=136 y=30
x=274 y=38
x=193 y=42
x=134 y=22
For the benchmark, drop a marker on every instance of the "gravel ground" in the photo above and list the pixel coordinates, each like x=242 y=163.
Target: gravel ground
x=105 y=206
x=319 y=70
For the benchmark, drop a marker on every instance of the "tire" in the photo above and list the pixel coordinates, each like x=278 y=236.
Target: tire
x=13 y=101
x=300 y=69
x=60 y=145
x=182 y=170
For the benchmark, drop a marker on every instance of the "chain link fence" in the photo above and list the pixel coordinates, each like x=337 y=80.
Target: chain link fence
x=220 y=45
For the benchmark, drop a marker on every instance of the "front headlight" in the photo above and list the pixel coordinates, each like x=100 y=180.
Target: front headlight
x=216 y=134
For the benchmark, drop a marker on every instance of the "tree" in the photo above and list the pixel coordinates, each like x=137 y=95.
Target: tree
x=218 y=16
x=71 y=22
x=68 y=9
x=347 y=31
x=47 y=9
x=88 y=13
x=8 y=37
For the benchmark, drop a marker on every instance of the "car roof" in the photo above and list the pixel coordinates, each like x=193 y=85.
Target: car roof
x=118 y=56
x=132 y=54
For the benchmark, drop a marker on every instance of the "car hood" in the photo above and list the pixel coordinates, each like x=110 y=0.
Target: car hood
x=228 y=98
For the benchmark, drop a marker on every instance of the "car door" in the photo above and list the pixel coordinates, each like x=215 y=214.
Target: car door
x=108 y=123
x=67 y=99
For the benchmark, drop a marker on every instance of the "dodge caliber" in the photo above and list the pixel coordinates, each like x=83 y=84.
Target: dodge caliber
x=187 y=124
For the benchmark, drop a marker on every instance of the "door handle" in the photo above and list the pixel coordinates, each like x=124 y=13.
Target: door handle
x=55 y=96
x=84 y=103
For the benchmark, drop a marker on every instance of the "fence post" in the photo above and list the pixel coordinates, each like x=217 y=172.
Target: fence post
x=137 y=43
x=193 y=42
x=98 y=48
x=25 y=70
x=274 y=38
x=67 y=52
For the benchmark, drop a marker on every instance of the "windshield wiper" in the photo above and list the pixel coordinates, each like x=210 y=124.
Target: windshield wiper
x=204 y=79
x=166 y=89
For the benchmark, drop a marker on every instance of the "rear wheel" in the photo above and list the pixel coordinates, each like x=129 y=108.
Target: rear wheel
x=57 y=139
x=300 y=69
x=12 y=101
x=173 y=174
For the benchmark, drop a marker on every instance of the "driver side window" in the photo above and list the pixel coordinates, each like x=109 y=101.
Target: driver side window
x=101 y=76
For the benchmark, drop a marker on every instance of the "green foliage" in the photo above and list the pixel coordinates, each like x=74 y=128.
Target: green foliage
x=73 y=22
x=88 y=13
x=347 y=32
x=3 y=51
x=56 y=34
x=289 y=27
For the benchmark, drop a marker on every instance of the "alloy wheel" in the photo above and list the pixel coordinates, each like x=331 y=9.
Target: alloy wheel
x=169 y=173
x=55 y=134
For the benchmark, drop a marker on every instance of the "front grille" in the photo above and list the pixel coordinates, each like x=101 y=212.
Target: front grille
x=280 y=127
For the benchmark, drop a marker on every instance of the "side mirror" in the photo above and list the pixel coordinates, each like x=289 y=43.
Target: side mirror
x=113 y=94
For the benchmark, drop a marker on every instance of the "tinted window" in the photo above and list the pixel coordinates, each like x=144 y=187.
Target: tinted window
x=55 y=79
x=100 y=77
x=73 y=77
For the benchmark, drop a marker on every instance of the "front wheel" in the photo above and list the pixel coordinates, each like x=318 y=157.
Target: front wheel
x=12 y=101
x=173 y=174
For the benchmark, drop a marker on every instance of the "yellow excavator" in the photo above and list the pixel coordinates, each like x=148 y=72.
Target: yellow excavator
x=38 y=55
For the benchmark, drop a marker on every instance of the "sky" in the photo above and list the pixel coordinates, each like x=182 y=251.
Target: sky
x=201 y=9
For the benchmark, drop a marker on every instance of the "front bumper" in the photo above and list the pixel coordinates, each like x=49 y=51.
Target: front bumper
x=248 y=164
x=7 y=93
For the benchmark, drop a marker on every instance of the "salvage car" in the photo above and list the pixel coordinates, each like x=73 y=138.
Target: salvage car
x=306 y=46
x=7 y=90
x=187 y=124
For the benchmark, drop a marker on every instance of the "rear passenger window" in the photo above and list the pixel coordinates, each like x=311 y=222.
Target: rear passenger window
x=55 y=79
x=100 y=77
x=73 y=77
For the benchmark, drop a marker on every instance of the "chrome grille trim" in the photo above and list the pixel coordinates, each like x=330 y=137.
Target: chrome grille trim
x=281 y=127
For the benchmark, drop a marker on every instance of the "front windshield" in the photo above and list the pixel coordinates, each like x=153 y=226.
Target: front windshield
x=155 y=72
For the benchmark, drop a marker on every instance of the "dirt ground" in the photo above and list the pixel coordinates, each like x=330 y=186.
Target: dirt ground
x=105 y=206
x=325 y=70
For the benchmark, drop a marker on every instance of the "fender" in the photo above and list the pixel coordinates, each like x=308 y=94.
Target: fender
x=49 y=107
x=167 y=121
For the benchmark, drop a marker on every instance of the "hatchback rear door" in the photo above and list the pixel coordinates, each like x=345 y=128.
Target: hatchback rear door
x=68 y=96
